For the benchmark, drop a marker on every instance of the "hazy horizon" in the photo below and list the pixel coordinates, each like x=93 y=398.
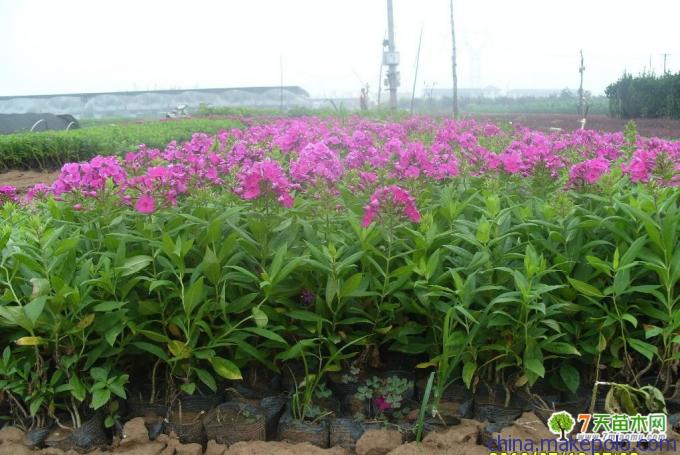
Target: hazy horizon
x=329 y=48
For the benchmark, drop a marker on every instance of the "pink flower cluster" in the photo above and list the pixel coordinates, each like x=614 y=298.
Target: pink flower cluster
x=286 y=158
x=655 y=159
x=264 y=178
x=89 y=178
x=388 y=201
x=8 y=194
x=317 y=163
x=588 y=171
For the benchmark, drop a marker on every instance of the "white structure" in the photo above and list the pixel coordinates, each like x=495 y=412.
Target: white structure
x=154 y=103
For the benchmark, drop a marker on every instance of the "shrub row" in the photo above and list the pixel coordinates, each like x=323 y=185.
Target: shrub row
x=52 y=149
x=645 y=96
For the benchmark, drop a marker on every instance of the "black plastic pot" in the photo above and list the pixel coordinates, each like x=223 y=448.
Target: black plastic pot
x=273 y=405
x=137 y=408
x=296 y=431
x=91 y=434
x=35 y=438
x=345 y=432
x=486 y=436
x=273 y=409
x=198 y=403
x=187 y=425
x=456 y=402
x=580 y=402
x=235 y=421
x=490 y=405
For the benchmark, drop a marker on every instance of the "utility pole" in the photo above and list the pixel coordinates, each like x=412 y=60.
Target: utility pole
x=415 y=76
x=391 y=58
x=380 y=73
x=453 y=64
x=581 y=98
x=665 y=56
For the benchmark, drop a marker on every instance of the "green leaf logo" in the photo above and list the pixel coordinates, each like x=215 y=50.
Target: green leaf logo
x=561 y=423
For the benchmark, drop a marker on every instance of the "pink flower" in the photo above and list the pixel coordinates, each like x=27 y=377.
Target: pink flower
x=588 y=171
x=8 y=193
x=262 y=178
x=39 y=189
x=316 y=163
x=382 y=404
x=145 y=204
x=389 y=200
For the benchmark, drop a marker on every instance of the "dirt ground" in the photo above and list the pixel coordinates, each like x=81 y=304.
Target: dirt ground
x=23 y=180
x=543 y=122
x=462 y=439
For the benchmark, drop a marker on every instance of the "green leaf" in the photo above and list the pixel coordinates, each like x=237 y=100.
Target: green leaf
x=34 y=308
x=557 y=347
x=304 y=315
x=117 y=387
x=585 y=288
x=646 y=349
x=206 y=378
x=134 y=264
x=155 y=284
x=351 y=285
x=331 y=289
x=535 y=366
x=77 y=388
x=41 y=286
x=266 y=334
x=260 y=317
x=34 y=407
x=30 y=341
x=570 y=376
x=100 y=398
x=211 y=266
x=108 y=306
x=226 y=368
x=152 y=349
x=630 y=318
x=85 y=322
x=179 y=349
x=188 y=388
x=66 y=245
x=193 y=296
x=469 y=369
x=99 y=374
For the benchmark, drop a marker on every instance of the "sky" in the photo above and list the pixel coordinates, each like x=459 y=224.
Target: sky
x=328 y=47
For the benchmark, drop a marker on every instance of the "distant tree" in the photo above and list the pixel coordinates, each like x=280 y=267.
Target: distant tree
x=566 y=94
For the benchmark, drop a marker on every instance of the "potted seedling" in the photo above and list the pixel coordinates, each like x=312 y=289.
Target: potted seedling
x=310 y=404
x=383 y=399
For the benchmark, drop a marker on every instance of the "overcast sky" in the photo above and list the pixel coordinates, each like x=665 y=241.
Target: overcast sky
x=329 y=47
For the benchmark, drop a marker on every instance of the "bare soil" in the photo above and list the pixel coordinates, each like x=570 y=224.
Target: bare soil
x=23 y=180
x=462 y=439
x=664 y=128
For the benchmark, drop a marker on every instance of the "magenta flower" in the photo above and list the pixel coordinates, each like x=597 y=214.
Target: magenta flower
x=382 y=404
x=588 y=171
x=390 y=200
x=263 y=178
x=8 y=193
x=316 y=163
x=145 y=204
x=307 y=296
